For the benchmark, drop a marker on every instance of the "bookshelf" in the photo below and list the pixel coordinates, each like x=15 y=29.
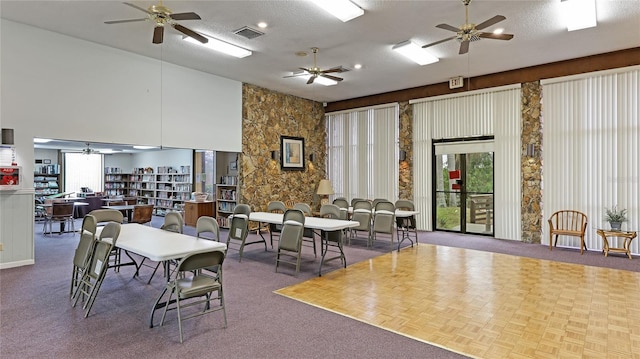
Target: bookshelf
x=46 y=180
x=167 y=188
x=226 y=199
x=116 y=183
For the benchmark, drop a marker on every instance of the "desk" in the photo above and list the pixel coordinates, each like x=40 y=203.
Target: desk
x=160 y=246
x=128 y=208
x=627 y=236
x=322 y=224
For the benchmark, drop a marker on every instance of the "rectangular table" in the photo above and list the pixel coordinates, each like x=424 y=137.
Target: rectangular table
x=160 y=246
x=318 y=223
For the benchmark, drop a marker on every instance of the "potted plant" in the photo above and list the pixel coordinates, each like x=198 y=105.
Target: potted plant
x=615 y=217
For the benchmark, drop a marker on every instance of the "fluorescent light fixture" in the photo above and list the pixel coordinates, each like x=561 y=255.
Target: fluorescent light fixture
x=220 y=46
x=344 y=10
x=415 y=53
x=319 y=79
x=144 y=147
x=579 y=14
x=41 y=140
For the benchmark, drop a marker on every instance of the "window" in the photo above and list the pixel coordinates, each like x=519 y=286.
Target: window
x=82 y=170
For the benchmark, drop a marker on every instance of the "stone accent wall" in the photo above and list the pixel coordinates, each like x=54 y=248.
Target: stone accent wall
x=531 y=171
x=266 y=115
x=405 y=176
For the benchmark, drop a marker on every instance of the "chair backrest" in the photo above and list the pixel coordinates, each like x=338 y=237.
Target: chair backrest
x=341 y=202
x=142 y=213
x=111 y=231
x=292 y=230
x=385 y=205
x=195 y=261
x=62 y=209
x=173 y=222
x=378 y=200
x=107 y=215
x=83 y=251
x=207 y=224
x=405 y=204
x=354 y=200
x=305 y=208
x=330 y=211
x=132 y=201
x=239 y=228
x=569 y=220
x=276 y=207
x=362 y=204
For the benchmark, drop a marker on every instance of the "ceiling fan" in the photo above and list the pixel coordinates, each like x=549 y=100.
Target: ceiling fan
x=471 y=32
x=161 y=16
x=88 y=150
x=315 y=71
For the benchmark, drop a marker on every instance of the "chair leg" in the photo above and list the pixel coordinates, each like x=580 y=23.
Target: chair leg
x=179 y=316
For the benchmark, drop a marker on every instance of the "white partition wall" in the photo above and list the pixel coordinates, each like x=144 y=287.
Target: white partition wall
x=472 y=114
x=592 y=149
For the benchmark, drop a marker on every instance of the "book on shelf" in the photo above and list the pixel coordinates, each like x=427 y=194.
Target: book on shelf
x=229 y=180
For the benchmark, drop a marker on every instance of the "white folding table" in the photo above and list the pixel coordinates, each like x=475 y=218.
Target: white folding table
x=160 y=246
x=319 y=223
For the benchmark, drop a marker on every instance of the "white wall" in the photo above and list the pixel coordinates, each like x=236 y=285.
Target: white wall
x=55 y=86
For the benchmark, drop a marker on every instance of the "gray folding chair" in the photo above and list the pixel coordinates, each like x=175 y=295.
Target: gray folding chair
x=308 y=235
x=190 y=283
x=92 y=279
x=383 y=221
x=207 y=224
x=173 y=222
x=290 y=243
x=362 y=214
x=82 y=255
x=331 y=240
x=275 y=207
x=405 y=226
x=239 y=229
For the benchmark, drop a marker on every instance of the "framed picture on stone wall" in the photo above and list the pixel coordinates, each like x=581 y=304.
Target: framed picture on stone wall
x=291 y=153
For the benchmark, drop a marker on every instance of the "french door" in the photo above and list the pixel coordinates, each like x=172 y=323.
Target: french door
x=463 y=174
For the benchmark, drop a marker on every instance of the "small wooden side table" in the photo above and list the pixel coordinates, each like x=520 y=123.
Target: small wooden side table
x=628 y=238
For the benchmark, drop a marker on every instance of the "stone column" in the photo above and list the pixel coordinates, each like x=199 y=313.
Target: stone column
x=531 y=171
x=405 y=175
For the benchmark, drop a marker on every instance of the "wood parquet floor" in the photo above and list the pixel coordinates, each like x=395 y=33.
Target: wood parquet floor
x=487 y=305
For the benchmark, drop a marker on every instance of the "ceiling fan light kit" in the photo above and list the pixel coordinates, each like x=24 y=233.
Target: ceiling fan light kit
x=579 y=14
x=415 y=53
x=220 y=46
x=344 y=10
x=315 y=74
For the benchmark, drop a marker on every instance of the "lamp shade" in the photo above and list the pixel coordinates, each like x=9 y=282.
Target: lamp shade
x=324 y=188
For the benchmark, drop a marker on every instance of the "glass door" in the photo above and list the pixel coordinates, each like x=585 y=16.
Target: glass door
x=464 y=190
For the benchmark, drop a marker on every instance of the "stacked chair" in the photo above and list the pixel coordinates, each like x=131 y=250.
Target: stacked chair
x=83 y=252
x=362 y=212
x=94 y=272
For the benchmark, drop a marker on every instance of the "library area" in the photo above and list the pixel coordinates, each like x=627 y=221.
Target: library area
x=192 y=182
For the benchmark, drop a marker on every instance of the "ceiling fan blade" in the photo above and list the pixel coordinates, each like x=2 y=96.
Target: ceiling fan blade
x=123 y=21
x=448 y=27
x=190 y=33
x=334 y=78
x=489 y=35
x=464 y=47
x=185 y=16
x=158 y=34
x=494 y=20
x=333 y=69
x=303 y=69
x=296 y=75
x=311 y=79
x=139 y=8
x=439 y=42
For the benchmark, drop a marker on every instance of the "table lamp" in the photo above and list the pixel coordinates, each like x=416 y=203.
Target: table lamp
x=324 y=190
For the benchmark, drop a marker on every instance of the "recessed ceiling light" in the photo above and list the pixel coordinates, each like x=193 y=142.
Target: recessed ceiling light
x=344 y=10
x=415 y=53
x=41 y=140
x=301 y=53
x=221 y=46
x=262 y=25
x=357 y=66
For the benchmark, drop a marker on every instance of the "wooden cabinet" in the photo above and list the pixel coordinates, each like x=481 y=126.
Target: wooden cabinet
x=194 y=210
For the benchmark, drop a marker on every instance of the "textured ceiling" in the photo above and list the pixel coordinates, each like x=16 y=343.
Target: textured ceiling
x=540 y=37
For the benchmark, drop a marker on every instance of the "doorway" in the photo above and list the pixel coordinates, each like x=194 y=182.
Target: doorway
x=464 y=191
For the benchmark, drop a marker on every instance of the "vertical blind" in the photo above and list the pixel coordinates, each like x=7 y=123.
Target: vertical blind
x=82 y=170
x=362 y=152
x=591 y=149
x=478 y=113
